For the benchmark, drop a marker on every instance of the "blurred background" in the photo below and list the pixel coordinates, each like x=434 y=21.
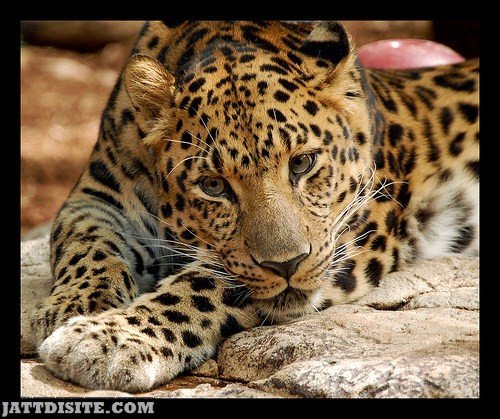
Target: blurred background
x=69 y=68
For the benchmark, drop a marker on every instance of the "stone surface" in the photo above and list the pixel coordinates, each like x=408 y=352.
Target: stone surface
x=449 y=274
x=38 y=381
x=36 y=281
x=37 y=232
x=344 y=332
x=414 y=336
x=207 y=391
x=208 y=369
x=442 y=371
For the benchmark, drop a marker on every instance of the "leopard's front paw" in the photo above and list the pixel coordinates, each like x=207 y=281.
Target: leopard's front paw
x=106 y=352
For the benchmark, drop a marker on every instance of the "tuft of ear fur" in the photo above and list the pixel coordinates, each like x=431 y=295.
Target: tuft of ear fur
x=173 y=22
x=150 y=88
x=328 y=41
x=339 y=80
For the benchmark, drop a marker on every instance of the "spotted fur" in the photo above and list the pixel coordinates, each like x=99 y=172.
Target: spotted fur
x=154 y=265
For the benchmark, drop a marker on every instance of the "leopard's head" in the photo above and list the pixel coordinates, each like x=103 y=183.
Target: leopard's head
x=259 y=139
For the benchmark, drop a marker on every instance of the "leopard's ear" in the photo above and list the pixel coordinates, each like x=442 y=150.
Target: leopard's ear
x=328 y=41
x=335 y=64
x=150 y=88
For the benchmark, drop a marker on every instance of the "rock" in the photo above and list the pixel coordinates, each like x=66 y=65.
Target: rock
x=38 y=381
x=107 y=394
x=466 y=298
x=417 y=335
x=230 y=391
x=37 y=232
x=438 y=372
x=344 y=332
x=208 y=369
x=36 y=281
x=430 y=276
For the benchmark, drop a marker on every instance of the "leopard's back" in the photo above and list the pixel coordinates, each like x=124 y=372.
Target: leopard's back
x=432 y=142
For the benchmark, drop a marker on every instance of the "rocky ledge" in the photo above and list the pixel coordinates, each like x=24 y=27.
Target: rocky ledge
x=417 y=335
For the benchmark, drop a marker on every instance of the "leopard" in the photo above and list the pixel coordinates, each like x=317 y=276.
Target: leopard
x=248 y=173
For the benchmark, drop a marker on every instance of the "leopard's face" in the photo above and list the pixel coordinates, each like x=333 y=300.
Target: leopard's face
x=257 y=168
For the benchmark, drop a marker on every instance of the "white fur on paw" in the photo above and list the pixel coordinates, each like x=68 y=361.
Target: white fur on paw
x=95 y=355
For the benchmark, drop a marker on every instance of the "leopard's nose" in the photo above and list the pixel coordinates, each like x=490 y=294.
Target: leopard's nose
x=284 y=269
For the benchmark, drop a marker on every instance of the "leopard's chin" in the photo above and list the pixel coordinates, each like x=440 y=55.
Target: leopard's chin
x=289 y=304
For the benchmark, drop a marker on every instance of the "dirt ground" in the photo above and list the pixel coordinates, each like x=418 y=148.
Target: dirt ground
x=63 y=93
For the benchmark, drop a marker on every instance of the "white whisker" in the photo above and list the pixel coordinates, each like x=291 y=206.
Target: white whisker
x=200 y=140
x=205 y=125
x=182 y=161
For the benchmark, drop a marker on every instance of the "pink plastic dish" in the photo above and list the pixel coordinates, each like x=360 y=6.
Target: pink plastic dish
x=406 y=53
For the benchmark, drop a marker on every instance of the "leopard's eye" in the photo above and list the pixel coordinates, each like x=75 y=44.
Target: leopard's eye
x=300 y=165
x=213 y=186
